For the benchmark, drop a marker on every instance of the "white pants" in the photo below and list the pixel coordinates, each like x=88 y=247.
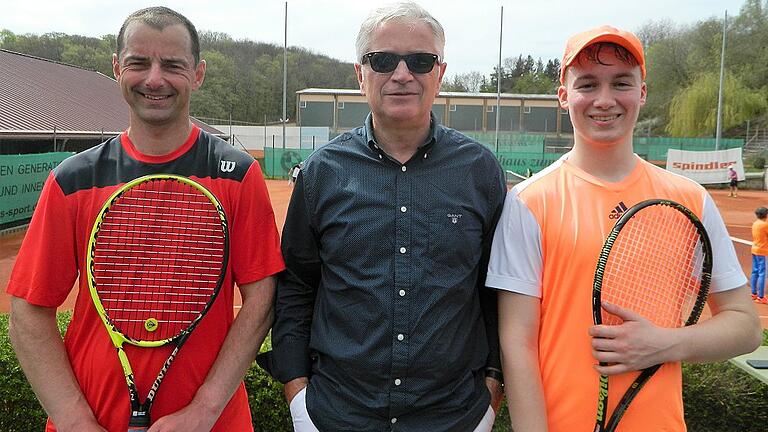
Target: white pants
x=302 y=422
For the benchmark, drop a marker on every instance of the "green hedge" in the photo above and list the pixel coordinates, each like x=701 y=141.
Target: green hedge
x=718 y=397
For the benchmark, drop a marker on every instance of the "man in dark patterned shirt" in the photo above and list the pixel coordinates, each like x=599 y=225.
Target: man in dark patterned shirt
x=383 y=322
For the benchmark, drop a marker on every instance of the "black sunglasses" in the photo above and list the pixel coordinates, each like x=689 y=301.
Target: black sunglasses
x=384 y=62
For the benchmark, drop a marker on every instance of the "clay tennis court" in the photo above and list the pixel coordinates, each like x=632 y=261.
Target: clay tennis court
x=737 y=213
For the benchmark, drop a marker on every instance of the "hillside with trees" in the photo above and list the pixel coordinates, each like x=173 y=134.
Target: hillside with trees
x=244 y=78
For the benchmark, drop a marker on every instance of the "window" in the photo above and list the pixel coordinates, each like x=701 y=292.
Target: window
x=563 y=111
x=340 y=105
x=526 y=110
x=302 y=104
x=490 y=108
x=452 y=108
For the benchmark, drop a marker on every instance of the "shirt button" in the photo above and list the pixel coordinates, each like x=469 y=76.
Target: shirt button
x=425 y=155
x=402 y=293
x=400 y=337
x=402 y=250
x=398 y=382
x=403 y=168
x=394 y=420
x=403 y=209
x=381 y=157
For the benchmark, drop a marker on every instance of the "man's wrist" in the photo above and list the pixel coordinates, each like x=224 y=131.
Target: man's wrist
x=494 y=373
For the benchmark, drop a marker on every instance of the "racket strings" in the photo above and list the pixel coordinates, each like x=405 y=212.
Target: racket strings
x=158 y=258
x=655 y=267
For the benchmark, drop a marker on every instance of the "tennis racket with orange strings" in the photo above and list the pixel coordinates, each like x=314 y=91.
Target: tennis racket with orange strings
x=657 y=262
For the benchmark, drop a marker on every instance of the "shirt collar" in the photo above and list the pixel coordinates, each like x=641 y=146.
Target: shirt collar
x=435 y=132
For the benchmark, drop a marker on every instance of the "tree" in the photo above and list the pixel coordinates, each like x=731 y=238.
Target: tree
x=217 y=97
x=693 y=112
x=464 y=82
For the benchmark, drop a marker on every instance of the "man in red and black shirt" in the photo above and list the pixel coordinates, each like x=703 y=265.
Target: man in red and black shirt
x=79 y=381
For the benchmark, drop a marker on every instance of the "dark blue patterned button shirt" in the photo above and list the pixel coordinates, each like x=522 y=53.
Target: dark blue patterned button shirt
x=382 y=303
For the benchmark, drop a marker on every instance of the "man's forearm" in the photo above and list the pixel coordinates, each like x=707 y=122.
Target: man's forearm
x=734 y=329
x=240 y=347
x=40 y=350
x=524 y=391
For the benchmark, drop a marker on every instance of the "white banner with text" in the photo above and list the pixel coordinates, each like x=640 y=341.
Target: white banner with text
x=705 y=167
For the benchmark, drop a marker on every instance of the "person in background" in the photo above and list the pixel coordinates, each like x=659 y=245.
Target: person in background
x=547 y=245
x=382 y=318
x=733 y=181
x=759 y=252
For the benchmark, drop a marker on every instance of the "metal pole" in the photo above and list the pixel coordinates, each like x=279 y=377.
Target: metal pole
x=285 y=71
x=498 y=81
x=719 y=132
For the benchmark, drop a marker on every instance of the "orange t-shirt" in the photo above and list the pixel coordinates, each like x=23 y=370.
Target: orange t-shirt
x=547 y=244
x=760 y=237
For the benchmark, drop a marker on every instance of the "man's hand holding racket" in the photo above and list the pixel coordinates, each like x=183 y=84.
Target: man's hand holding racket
x=634 y=345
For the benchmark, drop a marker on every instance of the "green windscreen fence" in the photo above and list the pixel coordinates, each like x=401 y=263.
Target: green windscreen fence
x=655 y=148
x=21 y=181
x=279 y=161
x=523 y=153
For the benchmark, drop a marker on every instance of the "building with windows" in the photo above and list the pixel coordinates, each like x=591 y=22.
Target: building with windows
x=343 y=109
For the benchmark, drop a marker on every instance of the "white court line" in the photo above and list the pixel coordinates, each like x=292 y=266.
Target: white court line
x=744 y=242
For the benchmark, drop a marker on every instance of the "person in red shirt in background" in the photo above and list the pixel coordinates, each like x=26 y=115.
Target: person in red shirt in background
x=759 y=252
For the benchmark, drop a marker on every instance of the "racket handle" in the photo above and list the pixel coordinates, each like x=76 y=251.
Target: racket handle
x=139 y=423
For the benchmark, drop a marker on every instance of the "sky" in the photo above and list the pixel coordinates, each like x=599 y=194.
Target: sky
x=329 y=27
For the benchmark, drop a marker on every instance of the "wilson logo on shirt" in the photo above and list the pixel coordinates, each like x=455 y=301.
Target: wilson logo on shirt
x=227 y=166
x=617 y=211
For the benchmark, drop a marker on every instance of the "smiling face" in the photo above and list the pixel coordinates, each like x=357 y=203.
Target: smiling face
x=401 y=98
x=603 y=99
x=157 y=73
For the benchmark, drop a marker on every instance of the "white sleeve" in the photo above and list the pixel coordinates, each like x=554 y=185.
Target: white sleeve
x=726 y=270
x=516 y=257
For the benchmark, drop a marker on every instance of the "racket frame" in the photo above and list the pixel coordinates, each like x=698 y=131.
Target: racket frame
x=140 y=418
x=647 y=373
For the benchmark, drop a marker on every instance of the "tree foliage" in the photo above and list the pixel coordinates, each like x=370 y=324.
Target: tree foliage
x=244 y=79
x=525 y=75
x=693 y=112
x=684 y=66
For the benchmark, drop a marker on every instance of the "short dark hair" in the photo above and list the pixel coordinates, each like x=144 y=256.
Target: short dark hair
x=592 y=54
x=761 y=212
x=160 y=17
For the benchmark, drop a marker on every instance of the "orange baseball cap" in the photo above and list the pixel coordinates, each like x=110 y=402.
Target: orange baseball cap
x=578 y=42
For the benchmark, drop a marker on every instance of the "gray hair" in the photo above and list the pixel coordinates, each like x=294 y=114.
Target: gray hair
x=404 y=12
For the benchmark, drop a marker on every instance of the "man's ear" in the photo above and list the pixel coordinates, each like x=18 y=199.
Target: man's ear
x=359 y=75
x=199 y=74
x=562 y=97
x=116 y=67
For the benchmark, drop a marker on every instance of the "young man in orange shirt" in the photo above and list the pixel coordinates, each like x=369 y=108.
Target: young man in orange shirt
x=759 y=252
x=545 y=250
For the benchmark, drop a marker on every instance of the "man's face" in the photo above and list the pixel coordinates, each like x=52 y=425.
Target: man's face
x=401 y=98
x=603 y=100
x=157 y=73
